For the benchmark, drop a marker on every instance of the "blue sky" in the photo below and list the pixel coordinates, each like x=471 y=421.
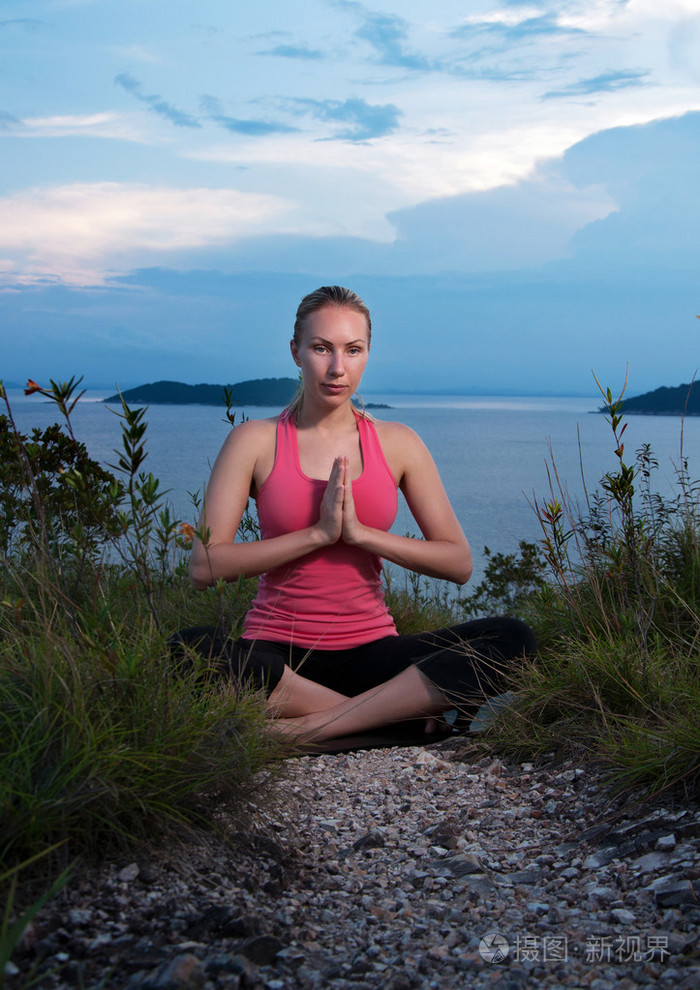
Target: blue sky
x=513 y=187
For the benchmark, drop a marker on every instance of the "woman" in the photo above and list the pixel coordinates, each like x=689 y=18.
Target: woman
x=319 y=638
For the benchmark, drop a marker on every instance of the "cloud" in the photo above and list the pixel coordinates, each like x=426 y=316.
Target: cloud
x=475 y=232
x=239 y=125
x=29 y=23
x=514 y=27
x=251 y=128
x=138 y=53
x=651 y=170
x=102 y=125
x=8 y=121
x=155 y=102
x=606 y=82
x=81 y=233
x=294 y=51
x=387 y=33
x=624 y=199
x=367 y=120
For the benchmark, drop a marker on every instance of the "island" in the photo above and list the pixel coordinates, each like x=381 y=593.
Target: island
x=255 y=392
x=681 y=400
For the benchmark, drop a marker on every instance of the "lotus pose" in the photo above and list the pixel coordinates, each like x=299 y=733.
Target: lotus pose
x=319 y=639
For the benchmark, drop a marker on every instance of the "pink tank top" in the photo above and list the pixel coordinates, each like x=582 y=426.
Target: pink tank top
x=331 y=598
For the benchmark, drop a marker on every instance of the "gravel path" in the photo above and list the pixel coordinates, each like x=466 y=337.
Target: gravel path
x=397 y=869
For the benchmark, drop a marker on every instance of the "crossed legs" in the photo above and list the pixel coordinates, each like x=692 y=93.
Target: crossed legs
x=302 y=707
x=388 y=680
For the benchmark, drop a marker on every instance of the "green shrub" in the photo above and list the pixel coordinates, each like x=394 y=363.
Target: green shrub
x=618 y=624
x=103 y=742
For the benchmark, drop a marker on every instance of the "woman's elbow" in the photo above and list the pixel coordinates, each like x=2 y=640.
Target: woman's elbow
x=464 y=567
x=200 y=573
x=462 y=575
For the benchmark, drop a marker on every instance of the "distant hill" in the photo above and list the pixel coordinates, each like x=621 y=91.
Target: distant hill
x=257 y=392
x=665 y=401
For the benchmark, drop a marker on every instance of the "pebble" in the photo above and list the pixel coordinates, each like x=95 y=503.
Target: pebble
x=400 y=869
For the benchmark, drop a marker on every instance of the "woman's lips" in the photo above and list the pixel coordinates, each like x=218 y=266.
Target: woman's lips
x=335 y=389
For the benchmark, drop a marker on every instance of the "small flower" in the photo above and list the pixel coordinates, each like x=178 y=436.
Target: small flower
x=187 y=532
x=32 y=387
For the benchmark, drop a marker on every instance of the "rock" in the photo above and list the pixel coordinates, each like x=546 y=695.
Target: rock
x=601 y=858
x=623 y=917
x=601 y=894
x=129 y=873
x=427 y=759
x=222 y=919
x=675 y=894
x=79 y=917
x=372 y=840
x=461 y=865
x=184 y=972
x=666 y=842
x=650 y=862
x=261 y=949
x=529 y=876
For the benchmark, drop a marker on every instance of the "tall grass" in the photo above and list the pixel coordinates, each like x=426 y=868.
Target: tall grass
x=619 y=624
x=103 y=740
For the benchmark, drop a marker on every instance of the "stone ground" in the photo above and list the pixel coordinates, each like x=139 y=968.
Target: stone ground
x=418 y=867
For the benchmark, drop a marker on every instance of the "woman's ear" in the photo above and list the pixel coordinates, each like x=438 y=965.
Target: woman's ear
x=295 y=352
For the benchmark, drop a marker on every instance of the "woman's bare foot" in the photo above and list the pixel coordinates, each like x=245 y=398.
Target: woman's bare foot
x=316 y=727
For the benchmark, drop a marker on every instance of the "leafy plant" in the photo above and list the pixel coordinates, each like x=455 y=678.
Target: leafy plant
x=618 y=622
x=102 y=740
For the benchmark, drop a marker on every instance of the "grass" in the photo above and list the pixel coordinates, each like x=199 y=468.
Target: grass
x=104 y=742
x=618 y=620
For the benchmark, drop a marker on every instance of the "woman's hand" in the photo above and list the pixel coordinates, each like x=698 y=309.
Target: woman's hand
x=352 y=527
x=330 y=522
x=338 y=519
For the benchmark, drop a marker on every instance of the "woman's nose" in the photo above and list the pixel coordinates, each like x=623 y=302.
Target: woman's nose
x=337 y=366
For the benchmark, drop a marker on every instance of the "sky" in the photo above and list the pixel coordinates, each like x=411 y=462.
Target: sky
x=513 y=187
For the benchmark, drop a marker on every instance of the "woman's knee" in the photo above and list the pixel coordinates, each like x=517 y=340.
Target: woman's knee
x=201 y=646
x=501 y=635
x=520 y=636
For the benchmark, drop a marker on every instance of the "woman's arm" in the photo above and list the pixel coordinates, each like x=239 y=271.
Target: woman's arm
x=444 y=552
x=232 y=479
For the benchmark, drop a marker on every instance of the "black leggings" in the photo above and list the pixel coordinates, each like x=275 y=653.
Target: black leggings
x=465 y=662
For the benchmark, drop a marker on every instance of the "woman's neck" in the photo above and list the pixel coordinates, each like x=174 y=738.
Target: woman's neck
x=325 y=420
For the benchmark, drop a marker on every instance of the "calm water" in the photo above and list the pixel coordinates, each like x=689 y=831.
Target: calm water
x=491 y=451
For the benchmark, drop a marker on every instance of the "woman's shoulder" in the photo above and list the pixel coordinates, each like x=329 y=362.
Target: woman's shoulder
x=402 y=446
x=257 y=427
x=252 y=433
x=395 y=433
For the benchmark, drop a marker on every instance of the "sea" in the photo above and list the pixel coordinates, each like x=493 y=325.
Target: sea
x=497 y=455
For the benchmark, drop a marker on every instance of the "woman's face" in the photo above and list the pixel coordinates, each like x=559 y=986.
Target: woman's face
x=332 y=353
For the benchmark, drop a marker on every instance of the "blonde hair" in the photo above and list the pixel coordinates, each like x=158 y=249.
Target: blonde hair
x=326 y=295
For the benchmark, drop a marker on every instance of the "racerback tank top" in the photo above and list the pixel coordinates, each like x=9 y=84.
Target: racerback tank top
x=331 y=598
